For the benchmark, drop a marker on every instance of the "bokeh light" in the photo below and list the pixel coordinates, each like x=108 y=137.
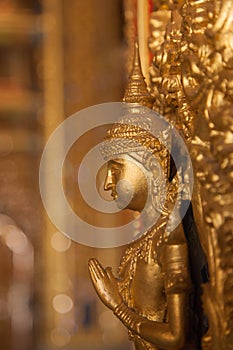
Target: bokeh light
x=62 y=303
x=60 y=242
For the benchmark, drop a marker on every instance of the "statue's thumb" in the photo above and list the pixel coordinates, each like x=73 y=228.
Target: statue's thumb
x=109 y=273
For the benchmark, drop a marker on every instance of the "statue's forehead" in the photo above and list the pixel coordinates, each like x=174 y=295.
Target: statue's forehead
x=120 y=161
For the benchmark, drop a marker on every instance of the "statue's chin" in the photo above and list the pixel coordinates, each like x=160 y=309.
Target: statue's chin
x=121 y=204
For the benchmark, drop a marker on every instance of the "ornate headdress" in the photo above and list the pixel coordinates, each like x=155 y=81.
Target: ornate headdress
x=140 y=128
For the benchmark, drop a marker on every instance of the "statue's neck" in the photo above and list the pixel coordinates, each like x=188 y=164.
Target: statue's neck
x=152 y=215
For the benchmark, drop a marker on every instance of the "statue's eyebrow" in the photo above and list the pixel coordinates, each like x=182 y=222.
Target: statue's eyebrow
x=117 y=162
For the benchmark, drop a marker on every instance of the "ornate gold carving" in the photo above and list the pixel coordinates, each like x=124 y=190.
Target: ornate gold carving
x=197 y=96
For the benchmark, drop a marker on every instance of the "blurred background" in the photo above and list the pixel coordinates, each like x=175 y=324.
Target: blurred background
x=56 y=58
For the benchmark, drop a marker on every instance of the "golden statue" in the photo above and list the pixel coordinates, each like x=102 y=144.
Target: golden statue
x=191 y=78
x=151 y=293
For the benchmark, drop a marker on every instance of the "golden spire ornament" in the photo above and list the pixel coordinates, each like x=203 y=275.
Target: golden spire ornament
x=136 y=90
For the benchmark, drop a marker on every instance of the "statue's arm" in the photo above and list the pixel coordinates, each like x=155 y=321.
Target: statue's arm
x=166 y=335
x=171 y=334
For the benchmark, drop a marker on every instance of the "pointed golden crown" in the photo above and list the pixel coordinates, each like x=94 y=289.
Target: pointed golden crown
x=136 y=90
x=136 y=130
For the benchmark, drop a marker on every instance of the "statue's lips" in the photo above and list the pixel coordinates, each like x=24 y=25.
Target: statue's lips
x=121 y=204
x=114 y=196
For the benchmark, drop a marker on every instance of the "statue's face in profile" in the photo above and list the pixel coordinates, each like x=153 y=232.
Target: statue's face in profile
x=127 y=183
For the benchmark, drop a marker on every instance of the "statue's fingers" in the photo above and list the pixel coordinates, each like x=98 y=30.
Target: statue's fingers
x=92 y=272
x=110 y=273
x=100 y=268
x=97 y=268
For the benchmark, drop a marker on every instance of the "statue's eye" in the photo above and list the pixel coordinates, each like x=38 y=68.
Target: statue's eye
x=116 y=167
x=115 y=171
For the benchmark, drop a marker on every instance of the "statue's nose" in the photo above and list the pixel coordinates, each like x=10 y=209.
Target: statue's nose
x=108 y=184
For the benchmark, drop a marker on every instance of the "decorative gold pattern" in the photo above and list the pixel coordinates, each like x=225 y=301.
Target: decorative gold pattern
x=201 y=97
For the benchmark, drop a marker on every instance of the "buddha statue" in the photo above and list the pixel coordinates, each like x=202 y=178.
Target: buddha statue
x=151 y=293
